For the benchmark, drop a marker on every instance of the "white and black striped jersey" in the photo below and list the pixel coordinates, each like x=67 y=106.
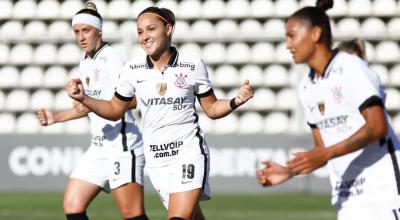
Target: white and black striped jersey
x=333 y=104
x=99 y=76
x=166 y=100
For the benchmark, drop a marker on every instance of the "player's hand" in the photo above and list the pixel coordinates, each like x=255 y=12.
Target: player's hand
x=245 y=93
x=273 y=174
x=75 y=89
x=306 y=162
x=45 y=117
x=79 y=107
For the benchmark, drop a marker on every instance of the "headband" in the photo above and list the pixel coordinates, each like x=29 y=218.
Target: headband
x=87 y=19
x=158 y=16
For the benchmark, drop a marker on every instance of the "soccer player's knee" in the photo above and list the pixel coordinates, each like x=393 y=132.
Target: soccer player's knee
x=141 y=217
x=176 y=218
x=77 y=216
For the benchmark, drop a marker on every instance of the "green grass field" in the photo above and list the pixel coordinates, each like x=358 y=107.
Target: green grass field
x=35 y=206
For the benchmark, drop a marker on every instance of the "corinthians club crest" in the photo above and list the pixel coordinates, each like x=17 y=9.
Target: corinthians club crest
x=180 y=80
x=321 y=107
x=161 y=88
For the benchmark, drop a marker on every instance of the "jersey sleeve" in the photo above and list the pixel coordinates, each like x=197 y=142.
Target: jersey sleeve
x=362 y=88
x=202 y=83
x=115 y=64
x=307 y=108
x=125 y=88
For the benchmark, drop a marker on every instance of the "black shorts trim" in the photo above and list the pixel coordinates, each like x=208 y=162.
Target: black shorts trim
x=371 y=101
x=395 y=164
x=201 y=141
x=208 y=93
x=133 y=166
x=123 y=98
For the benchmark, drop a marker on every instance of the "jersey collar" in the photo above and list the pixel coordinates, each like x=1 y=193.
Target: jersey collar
x=173 y=60
x=97 y=52
x=325 y=73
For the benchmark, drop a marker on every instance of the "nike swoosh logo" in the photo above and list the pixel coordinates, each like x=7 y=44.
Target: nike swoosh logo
x=140 y=81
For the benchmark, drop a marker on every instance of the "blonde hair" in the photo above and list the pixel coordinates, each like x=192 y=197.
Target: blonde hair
x=355 y=46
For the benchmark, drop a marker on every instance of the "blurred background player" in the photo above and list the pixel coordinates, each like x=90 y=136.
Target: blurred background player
x=343 y=105
x=166 y=84
x=354 y=46
x=115 y=157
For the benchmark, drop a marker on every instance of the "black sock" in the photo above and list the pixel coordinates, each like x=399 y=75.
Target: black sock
x=140 y=217
x=77 y=216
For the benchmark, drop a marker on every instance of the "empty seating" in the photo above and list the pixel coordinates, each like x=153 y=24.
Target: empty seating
x=227 y=125
x=8 y=123
x=27 y=123
x=226 y=28
x=370 y=51
x=274 y=28
x=373 y=27
x=11 y=29
x=214 y=53
x=69 y=8
x=261 y=8
x=384 y=7
x=191 y=49
x=220 y=94
x=238 y=53
x=206 y=124
x=182 y=29
x=262 y=52
x=110 y=29
x=9 y=76
x=282 y=53
x=393 y=27
x=31 y=77
x=2 y=100
x=189 y=9
x=395 y=75
x=101 y=5
x=62 y=101
x=17 y=100
x=202 y=29
x=69 y=53
x=60 y=29
x=226 y=75
x=238 y=9
x=35 y=29
x=387 y=51
x=4 y=53
x=170 y=4
x=48 y=9
x=6 y=8
x=276 y=76
x=77 y=126
x=24 y=9
x=286 y=99
x=139 y=5
x=55 y=77
x=42 y=98
x=213 y=9
x=119 y=9
x=253 y=73
x=392 y=99
x=339 y=8
x=382 y=72
x=264 y=99
x=284 y=8
x=45 y=54
x=276 y=122
x=359 y=8
x=251 y=28
x=251 y=123
x=348 y=27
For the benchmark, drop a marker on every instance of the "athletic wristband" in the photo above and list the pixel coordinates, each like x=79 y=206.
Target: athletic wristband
x=233 y=104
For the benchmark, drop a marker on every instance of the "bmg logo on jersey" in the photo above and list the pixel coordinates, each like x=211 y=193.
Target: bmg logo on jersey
x=191 y=66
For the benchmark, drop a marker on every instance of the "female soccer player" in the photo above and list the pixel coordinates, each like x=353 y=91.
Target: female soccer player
x=166 y=84
x=355 y=46
x=344 y=107
x=115 y=157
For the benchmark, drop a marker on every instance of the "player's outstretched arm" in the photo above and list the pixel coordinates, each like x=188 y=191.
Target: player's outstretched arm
x=47 y=117
x=273 y=174
x=218 y=108
x=111 y=110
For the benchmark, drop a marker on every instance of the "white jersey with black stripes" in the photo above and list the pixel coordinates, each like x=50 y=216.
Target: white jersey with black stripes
x=166 y=100
x=333 y=104
x=99 y=75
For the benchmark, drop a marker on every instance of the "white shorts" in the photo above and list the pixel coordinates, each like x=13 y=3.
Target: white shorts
x=109 y=170
x=186 y=174
x=384 y=210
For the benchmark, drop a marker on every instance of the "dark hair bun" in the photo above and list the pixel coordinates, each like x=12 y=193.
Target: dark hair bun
x=324 y=4
x=90 y=5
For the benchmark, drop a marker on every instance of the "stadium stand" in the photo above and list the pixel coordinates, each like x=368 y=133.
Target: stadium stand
x=237 y=39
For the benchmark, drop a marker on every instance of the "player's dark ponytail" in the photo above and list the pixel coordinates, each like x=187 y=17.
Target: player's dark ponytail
x=90 y=8
x=316 y=16
x=166 y=15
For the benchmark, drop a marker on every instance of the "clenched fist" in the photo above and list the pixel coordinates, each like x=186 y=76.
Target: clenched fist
x=45 y=117
x=75 y=90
